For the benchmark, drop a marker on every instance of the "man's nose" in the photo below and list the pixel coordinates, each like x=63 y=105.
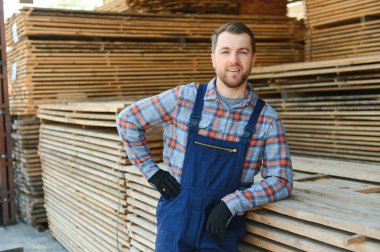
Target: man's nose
x=234 y=58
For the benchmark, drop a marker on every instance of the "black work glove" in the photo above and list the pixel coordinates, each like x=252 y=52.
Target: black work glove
x=165 y=183
x=217 y=220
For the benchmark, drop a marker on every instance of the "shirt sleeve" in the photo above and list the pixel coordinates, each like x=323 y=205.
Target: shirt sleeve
x=134 y=120
x=276 y=171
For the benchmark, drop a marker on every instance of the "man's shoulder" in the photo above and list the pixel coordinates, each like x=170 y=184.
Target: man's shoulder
x=188 y=91
x=269 y=111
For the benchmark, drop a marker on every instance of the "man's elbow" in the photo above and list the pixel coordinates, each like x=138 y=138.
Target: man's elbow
x=287 y=187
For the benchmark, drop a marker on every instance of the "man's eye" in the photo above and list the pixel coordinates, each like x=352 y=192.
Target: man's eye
x=243 y=52
x=224 y=52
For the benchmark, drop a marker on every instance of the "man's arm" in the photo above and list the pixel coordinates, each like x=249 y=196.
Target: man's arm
x=132 y=122
x=276 y=171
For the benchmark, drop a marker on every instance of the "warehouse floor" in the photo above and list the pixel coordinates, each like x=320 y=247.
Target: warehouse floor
x=22 y=235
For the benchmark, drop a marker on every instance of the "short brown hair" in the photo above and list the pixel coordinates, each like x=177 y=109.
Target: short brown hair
x=235 y=28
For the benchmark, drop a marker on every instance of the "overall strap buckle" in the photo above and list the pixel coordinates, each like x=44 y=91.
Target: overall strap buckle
x=248 y=132
x=196 y=114
x=194 y=121
x=249 y=129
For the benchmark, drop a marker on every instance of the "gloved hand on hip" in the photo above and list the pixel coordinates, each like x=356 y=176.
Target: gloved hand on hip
x=217 y=220
x=165 y=183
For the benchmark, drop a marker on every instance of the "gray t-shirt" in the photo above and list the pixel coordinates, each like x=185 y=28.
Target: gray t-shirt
x=229 y=101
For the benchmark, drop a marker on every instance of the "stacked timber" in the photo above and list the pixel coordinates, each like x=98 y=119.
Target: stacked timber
x=329 y=108
x=142 y=204
x=60 y=55
x=262 y=7
x=84 y=166
x=171 y=6
x=324 y=213
x=114 y=6
x=54 y=71
x=334 y=11
x=28 y=172
x=81 y=24
x=341 y=28
x=236 y=7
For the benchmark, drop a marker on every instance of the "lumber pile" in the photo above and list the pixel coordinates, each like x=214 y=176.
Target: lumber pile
x=262 y=7
x=329 y=108
x=340 y=28
x=53 y=71
x=236 y=7
x=60 y=55
x=330 y=12
x=28 y=172
x=170 y=6
x=81 y=24
x=142 y=202
x=84 y=166
x=341 y=41
x=323 y=213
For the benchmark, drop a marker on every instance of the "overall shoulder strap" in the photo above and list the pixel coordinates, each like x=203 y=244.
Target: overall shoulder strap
x=198 y=106
x=249 y=129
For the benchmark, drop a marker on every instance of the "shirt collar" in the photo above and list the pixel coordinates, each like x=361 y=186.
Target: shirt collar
x=249 y=99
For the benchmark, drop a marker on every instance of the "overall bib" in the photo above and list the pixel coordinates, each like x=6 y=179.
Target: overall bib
x=212 y=169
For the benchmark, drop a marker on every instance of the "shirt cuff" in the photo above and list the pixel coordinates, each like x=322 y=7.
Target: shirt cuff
x=237 y=202
x=149 y=168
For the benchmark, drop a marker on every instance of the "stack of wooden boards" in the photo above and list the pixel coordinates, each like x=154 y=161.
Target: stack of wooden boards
x=57 y=54
x=255 y=7
x=333 y=207
x=84 y=165
x=102 y=203
x=342 y=28
x=329 y=108
x=334 y=211
x=28 y=172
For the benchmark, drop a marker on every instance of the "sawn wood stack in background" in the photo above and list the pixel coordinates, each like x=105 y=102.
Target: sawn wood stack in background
x=342 y=28
x=56 y=54
x=235 y=7
x=28 y=171
x=329 y=108
x=84 y=165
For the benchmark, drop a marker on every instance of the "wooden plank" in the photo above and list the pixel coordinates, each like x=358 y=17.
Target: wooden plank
x=336 y=168
x=289 y=239
x=314 y=231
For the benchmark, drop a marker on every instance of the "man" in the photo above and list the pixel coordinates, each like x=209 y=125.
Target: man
x=217 y=137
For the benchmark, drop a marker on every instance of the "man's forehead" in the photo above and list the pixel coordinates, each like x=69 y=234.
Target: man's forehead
x=227 y=40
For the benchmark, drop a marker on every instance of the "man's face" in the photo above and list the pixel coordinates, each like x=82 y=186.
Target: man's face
x=233 y=59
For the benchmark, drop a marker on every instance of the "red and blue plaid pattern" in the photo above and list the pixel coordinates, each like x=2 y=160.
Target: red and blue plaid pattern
x=268 y=150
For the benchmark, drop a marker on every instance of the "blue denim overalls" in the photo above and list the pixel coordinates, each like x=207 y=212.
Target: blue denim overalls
x=212 y=169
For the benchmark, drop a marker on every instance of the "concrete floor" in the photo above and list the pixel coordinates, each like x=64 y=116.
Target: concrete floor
x=23 y=235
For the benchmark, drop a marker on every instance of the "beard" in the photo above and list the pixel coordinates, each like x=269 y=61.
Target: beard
x=233 y=80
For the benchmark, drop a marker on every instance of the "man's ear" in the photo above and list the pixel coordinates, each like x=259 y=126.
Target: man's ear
x=253 y=59
x=213 y=60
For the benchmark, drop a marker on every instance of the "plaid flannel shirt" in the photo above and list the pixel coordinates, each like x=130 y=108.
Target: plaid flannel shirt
x=267 y=152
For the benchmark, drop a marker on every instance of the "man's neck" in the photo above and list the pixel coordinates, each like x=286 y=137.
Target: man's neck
x=227 y=92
